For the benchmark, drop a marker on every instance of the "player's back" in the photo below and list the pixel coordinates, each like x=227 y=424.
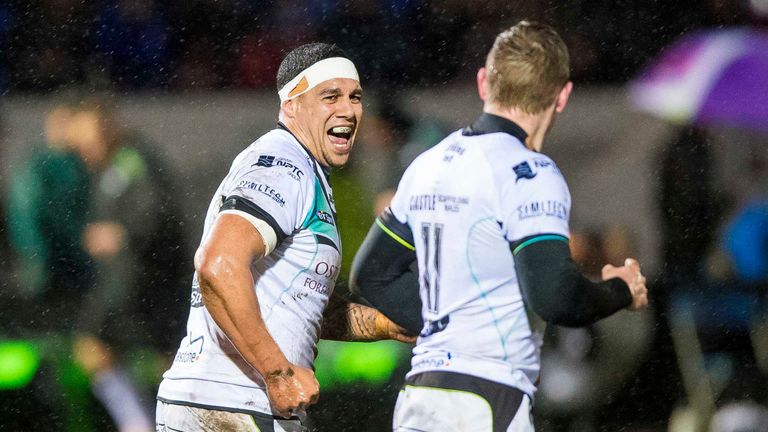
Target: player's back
x=461 y=200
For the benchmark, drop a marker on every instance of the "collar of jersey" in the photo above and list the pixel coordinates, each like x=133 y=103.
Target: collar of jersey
x=489 y=123
x=326 y=170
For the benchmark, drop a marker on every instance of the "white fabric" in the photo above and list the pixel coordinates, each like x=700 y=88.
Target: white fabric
x=330 y=68
x=465 y=202
x=170 y=418
x=292 y=283
x=267 y=233
x=433 y=409
x=522 y=422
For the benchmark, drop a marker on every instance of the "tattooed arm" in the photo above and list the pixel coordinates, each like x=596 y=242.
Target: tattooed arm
x=347 y=321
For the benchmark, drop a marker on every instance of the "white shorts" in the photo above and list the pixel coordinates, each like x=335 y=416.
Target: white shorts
x=184 y=418
x=448 y=402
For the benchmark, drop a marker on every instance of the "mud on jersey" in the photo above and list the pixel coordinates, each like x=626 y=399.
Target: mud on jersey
x=277 y=181
x=464 y=201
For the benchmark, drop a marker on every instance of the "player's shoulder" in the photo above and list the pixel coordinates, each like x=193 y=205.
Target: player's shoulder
x=509 y=156
x=278 y=152
x=279 y=144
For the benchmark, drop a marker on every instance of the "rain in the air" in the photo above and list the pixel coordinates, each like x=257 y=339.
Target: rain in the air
x=384 y=215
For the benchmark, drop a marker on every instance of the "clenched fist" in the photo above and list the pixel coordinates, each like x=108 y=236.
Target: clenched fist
x=292 y=389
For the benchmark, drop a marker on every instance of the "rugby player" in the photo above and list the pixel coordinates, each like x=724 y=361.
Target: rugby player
x=267 y=263
x=485 y=215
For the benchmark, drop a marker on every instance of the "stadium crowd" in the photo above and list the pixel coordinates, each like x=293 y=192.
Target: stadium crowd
x=151 y=44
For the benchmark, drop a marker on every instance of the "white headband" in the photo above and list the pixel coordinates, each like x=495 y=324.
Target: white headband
x=330 y=68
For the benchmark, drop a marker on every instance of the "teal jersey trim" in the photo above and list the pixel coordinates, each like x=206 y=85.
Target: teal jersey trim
x=538 y=239
x=314 y=222
x=321 y=219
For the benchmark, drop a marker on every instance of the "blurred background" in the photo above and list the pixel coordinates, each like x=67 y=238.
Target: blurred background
x=119 y=118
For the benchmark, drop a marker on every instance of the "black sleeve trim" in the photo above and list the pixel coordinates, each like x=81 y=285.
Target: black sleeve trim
x=234 y=202
x=384 y=274
x=554 y=288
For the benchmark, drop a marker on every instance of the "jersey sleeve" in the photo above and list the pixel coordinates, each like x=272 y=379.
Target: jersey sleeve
x=269 y=192
x=534 y=199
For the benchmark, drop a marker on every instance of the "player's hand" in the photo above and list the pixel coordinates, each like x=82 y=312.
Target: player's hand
x=387 y=329
x=630 y=273
x=292 y=389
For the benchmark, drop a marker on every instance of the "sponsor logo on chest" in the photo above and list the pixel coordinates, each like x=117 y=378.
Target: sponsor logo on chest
x=269 y=161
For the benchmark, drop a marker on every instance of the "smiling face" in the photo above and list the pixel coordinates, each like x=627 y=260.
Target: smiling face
x=326 y=118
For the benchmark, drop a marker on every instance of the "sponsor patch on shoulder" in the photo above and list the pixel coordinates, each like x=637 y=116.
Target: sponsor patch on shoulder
x=269 y=161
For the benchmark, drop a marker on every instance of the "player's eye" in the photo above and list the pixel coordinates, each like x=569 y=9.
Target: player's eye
x=331 y=98
x=356 y=98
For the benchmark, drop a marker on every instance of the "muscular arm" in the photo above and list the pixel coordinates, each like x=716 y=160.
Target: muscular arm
x=553 y=287
x=347 y=321
x=223 y=265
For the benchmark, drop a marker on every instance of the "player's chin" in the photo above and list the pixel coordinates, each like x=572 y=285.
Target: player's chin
x=338 y=160
x=337 y=154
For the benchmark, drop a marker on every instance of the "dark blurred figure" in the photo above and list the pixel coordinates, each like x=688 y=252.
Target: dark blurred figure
x=47 y=204
x=381 y=136
x=94 y=210
x=690 y=205
x=133 y=235
x=716 y=268
x=744 y=243
x=745 y=238
x=389 y=140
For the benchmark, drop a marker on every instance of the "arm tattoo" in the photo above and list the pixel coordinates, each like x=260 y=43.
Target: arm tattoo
x=346 y=321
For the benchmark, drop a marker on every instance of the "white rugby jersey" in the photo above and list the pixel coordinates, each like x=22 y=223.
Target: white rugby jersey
x=278 y=181
x=464 y=201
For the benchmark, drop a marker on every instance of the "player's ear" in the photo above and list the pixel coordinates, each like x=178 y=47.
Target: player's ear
x=482 y=83
x=288 y=108
x=562 y=97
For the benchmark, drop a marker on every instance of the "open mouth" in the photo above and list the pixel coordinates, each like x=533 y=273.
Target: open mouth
x=340 y=135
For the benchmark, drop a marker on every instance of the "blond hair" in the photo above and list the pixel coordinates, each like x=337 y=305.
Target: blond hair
x=527 y=67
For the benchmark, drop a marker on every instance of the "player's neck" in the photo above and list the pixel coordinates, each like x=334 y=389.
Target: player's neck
x=304 y=137
x=535 y=125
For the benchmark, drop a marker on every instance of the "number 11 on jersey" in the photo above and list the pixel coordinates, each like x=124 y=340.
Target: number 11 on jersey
x=431 y=235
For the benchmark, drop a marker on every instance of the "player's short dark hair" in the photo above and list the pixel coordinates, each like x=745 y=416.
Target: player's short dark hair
x=303 y=57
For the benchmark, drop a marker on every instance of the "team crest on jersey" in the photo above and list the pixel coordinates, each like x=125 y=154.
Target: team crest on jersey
x=523 y=171
x=265 y=161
